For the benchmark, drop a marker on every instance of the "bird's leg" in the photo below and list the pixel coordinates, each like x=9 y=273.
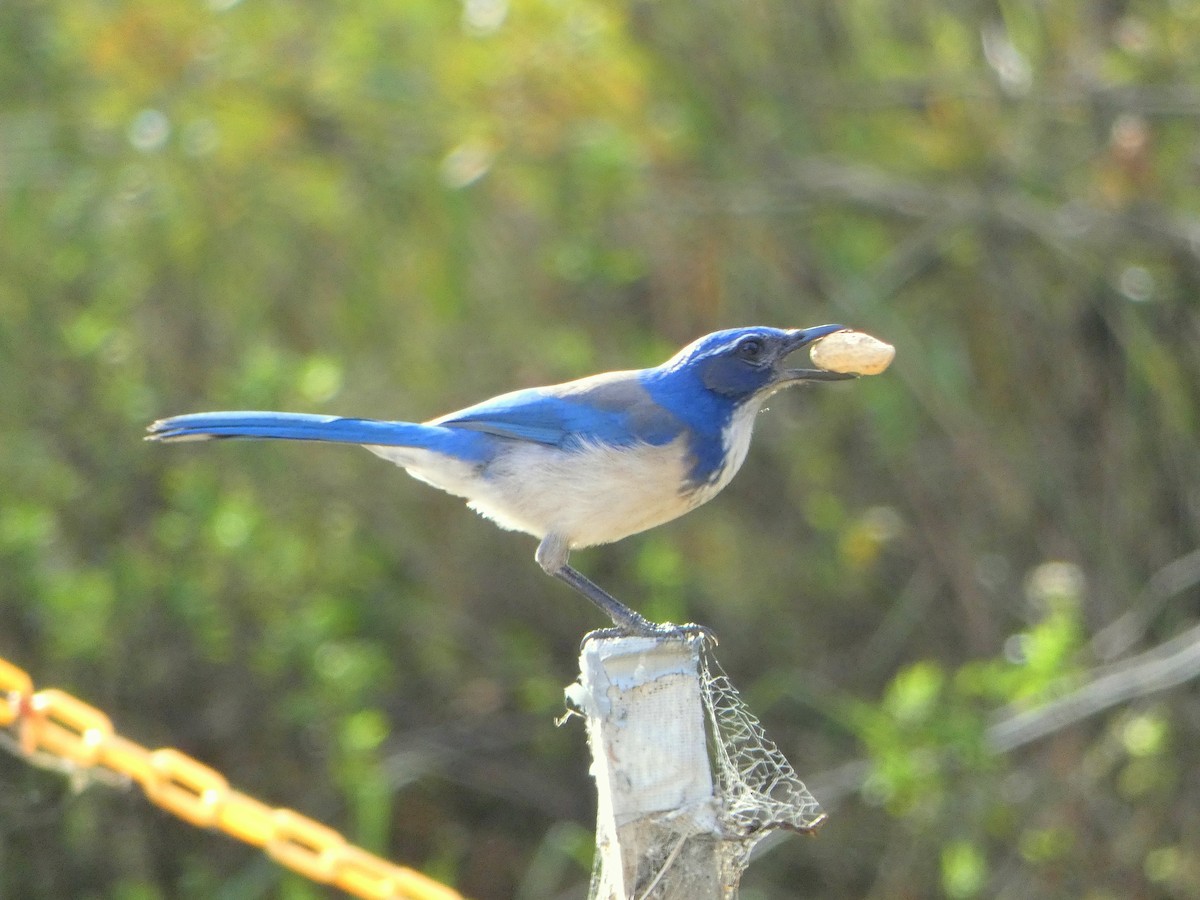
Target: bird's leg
x=552 y=554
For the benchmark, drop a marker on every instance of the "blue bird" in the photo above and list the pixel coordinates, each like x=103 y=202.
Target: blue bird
x=578 y=464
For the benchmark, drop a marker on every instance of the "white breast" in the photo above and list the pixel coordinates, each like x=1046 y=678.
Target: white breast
x=595 y=495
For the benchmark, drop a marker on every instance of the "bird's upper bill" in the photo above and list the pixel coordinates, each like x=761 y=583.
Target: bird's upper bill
x=797 y=338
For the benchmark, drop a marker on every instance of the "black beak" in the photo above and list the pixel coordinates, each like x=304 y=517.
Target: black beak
x=802 y=337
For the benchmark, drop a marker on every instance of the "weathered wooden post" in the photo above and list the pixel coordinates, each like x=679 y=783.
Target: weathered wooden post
x=676 y=816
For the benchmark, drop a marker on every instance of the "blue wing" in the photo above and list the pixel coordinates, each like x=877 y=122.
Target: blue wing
x=614 y=408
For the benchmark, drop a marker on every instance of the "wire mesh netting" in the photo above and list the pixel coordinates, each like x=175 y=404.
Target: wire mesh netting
x=701 y=847
x=759 y=789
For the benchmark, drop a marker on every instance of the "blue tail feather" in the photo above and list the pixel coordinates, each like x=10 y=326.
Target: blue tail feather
x=292 y=427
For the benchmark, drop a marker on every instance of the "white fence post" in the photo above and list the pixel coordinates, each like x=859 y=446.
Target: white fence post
x=687 y=779
x=657 y=829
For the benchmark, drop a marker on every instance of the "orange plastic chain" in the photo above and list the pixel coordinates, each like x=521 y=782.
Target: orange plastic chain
x=53 y=724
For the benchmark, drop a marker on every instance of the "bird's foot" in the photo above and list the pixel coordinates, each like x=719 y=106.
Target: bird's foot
x=668 y=631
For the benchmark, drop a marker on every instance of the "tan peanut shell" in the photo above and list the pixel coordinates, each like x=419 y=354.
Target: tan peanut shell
x=852 y=352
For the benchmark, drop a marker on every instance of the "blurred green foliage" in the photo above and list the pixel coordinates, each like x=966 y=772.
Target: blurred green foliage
x=397 y=208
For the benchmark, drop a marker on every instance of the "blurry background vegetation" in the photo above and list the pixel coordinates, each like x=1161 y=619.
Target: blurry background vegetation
x=394 y=208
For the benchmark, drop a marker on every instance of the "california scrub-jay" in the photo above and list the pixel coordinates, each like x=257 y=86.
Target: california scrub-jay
x=577 y=464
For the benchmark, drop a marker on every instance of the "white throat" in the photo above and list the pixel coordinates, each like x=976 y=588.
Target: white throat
x=735 y=441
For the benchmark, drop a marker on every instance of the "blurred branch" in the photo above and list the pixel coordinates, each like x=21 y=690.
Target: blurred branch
x=1168 y=665
x=488 y=755
x=1067 y=229
x=1172 y=579
x=1060 y=227
x=1144 y=99
x=879 y=652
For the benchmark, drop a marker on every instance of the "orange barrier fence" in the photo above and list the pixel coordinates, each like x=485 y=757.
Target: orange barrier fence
x=53 y=728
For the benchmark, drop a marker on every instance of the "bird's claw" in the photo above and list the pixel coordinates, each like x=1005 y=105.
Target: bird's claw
x=657 y=630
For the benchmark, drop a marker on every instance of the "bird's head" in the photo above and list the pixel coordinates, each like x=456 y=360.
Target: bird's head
x=750 y=363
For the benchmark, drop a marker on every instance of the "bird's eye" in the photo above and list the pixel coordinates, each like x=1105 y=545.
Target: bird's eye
x=750 y=349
